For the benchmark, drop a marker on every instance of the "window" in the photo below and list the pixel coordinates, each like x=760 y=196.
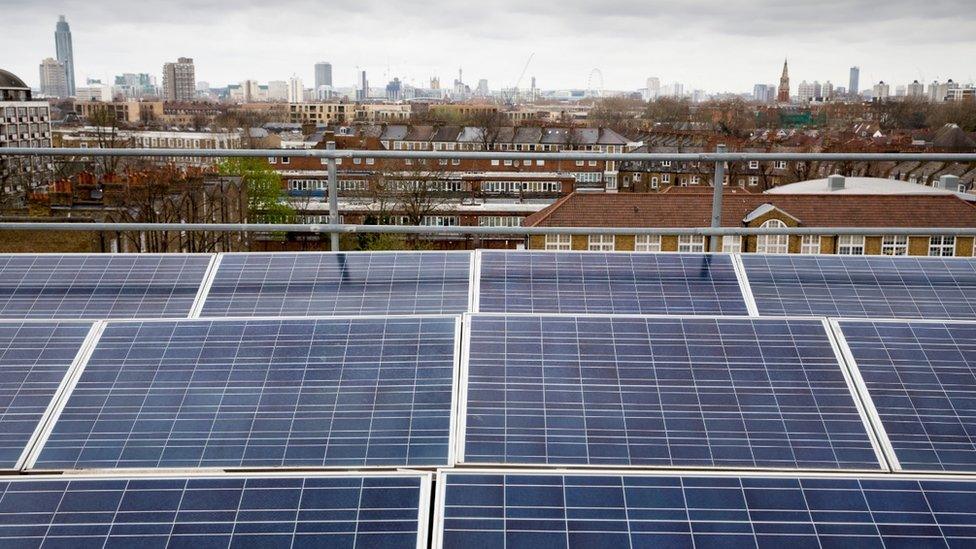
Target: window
x=942 y=246
x=753 y=164
x=695 y=180
x=666 y=178
x=540 y=162
x=272 y=160
x=653 y=182
x=495 y=162
x=691 y=243
x=810 y=244
x=647 y=243
x=666 y=163
x=357 y=160
x=602 y=242
x=732 y=244
x=508 y=162
x=780 y=165
x=894 y=245
x=580 y=163
x=753 y=181
x=850 y=245
x=773 y=243
x=592 y=163
x=370 y=161
x=559 y=242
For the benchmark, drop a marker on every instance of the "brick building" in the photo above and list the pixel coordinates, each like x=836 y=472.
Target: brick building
x=690 y=210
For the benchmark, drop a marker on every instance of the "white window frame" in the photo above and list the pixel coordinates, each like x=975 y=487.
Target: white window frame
x=810 y=244
x=647 y=243
x=732 y=244
x=559 y=242
x=777 y=244
x=653 y=182
x=850 y=244
x=942 y=246
x=753 y=164
x=894 y=245
x=690 y=243
x=601 y=243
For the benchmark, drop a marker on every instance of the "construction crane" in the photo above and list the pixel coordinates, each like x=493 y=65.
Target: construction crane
x=513 y=98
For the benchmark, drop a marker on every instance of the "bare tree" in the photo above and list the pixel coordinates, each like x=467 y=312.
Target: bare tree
x=409 y=197
x=107 y=136
x=489 y=124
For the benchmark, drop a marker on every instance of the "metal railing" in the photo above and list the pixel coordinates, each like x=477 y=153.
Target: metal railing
x=331 y=155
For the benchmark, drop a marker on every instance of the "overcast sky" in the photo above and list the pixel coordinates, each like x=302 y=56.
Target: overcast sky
x=716 y=45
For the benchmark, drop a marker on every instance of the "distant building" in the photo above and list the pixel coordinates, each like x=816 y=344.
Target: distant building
x=653 y=90
x=277 y=90
x=916 y=90
x=854 y=86
x=54 y=82
x=806 y=91
x=783 y=95
x=296 y=90
x=394 y=90
x=65 y=52
x=881 y=91
x=23 y=123
x=362 y=87
x=763 y=93
x=323 y=75
x=483 y=88
x=179 y=80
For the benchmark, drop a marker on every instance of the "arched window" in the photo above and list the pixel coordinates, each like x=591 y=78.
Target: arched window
x=773 y=244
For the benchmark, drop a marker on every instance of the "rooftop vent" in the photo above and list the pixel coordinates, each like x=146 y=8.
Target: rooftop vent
x=836 y=183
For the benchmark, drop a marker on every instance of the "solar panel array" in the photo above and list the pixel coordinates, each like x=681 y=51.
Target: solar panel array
x=633 y=400
x=261 y=393
x=538 y=282
x=313 y=510
x=921 y=378
x=317 y=284
x=538 y=509
x=34 y=361
x=687 y=392
x=100 y=286
x=863 y=286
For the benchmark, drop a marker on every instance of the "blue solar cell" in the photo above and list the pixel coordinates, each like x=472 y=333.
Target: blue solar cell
x=228 y=511
x=99 y=286
x=619 y=283
x=863 y=287
x=335 y=392
x=323 y=284
x=546 y=510
x=659 y=392
x=921 y=377
x=34 y=359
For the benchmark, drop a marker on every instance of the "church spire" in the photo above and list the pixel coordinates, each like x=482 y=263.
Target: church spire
x=784 y=84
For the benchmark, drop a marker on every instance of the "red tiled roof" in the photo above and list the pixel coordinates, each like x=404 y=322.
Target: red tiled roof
x=813 y=210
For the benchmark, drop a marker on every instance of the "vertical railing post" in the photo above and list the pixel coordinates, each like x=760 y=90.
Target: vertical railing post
x=717 y=187
x=333 y=198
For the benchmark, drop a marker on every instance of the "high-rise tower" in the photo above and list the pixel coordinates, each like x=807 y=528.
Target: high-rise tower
x=784 y=85
x=65 y=52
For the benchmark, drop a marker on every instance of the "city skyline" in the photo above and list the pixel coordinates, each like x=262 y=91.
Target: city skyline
x=888 y=45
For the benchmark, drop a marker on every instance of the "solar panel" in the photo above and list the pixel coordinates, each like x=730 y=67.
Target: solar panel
x=921 y=378
x=613 y=283
x=227 y=511
x=100 y=286
x=323 y=284
x=645 y=391
x=261 y=393
x=863 y=287
x=34 y=360
x=611 y=510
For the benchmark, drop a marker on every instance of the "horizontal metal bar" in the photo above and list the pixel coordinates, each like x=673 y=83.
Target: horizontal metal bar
x=482 y=155
x=485 y=231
